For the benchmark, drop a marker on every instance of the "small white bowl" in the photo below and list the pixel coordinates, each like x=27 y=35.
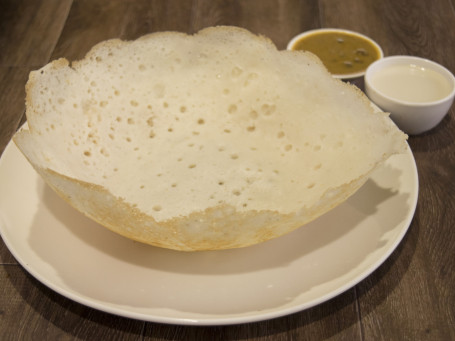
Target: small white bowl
x=417 y=92
x=342 y=32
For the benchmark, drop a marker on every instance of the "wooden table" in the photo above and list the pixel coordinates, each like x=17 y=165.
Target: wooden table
x=410 y=297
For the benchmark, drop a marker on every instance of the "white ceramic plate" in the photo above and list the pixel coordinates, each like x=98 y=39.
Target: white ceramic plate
x=93 y=266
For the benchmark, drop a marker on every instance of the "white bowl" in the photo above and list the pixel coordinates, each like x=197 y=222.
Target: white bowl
x=293 y=41
x=417 y=92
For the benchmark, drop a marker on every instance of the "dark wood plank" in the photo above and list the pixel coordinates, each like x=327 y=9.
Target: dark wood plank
x=149 y=16
x=278 y=20
x=12 y=99
x=29 y=30
x=5 y=256
x=45 y=315
x=88 y=23
x=91 y=22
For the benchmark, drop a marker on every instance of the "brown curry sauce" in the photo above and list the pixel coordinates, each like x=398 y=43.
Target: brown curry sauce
x=341 y=52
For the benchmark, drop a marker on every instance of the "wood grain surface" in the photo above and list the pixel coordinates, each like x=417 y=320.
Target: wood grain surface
x=410 y=297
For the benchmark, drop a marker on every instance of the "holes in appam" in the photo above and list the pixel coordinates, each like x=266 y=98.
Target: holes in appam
x=288 y=147
x=251 y=77
x=103 y=104
x=165 y=104
x=311 y=185
x=268 y=109
x=236 y=192
x=183 y=109
x=249 y=180
x=234 y=156
x=232 y=108
x=339 y=144
x=254 y=114
x=226 y=91
x=280 y=134
x=128 y=139
x=141 y=67
x=151 y=134
x=227 y=131
x=192 y=165
x=157 y=208
x=317 y=148
x=87 y=153
x=150 y=121
x=118 y=119
x=200 y=121
x=170 y=129
x=104 y=152
x=130 y=120
x=134 y=103
x=251 y=128
x=236 y=71
x=318 y=166
x=173 y=185
x=221 y=182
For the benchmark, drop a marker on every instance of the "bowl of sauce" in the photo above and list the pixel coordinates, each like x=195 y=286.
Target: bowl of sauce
x=346 y=54
x=416 y=91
